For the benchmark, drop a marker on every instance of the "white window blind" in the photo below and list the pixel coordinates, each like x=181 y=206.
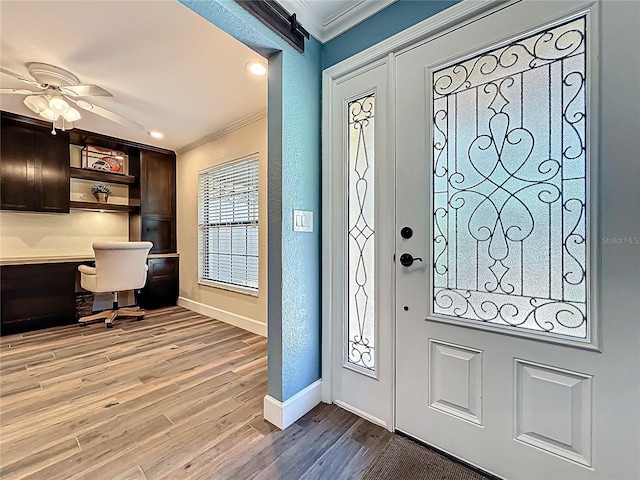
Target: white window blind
x=228 y=223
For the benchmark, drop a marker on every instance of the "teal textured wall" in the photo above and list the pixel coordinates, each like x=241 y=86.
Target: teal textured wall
x=293 y=182
x=393 y=19
x=294 y=173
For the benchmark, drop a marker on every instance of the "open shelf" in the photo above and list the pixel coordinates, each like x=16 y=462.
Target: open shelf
x=99 y=176
x=111 y=207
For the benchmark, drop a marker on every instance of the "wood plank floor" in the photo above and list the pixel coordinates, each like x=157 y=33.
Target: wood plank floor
x=174 y=396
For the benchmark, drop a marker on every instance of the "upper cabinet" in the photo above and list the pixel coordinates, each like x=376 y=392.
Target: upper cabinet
x=158 y=183
x=34 y=168
x=36 y=174
x=157 y=195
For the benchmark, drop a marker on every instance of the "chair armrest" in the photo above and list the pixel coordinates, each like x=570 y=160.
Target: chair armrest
x=87 y=270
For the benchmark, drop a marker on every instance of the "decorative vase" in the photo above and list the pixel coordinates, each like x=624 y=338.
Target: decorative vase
x=101 y=197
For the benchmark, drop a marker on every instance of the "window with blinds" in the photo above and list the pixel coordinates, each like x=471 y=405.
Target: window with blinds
x=228 y=224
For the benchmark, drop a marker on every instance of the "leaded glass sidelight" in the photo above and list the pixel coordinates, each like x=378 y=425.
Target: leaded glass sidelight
x=361 y=248
x=509 y=184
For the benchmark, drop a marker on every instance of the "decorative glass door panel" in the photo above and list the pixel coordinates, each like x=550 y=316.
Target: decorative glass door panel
x=361 y=249
x=509 y=200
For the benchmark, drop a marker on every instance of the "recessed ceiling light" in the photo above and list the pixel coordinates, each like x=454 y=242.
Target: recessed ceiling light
x=257 y=68
x=156 y=134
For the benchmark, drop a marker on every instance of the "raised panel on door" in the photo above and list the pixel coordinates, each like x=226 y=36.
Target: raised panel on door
x=158 y=183
x=52 y=172
x=17 y=167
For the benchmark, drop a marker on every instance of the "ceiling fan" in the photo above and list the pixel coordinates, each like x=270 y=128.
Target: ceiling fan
x=58 y=92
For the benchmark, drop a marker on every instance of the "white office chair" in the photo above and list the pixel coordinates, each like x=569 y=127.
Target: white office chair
x=119 y=266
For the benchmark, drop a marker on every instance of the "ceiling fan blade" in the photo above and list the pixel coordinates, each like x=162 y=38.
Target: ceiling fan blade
x=108 y=114
x=18 y=91
x=85 y=91
x=29 y=81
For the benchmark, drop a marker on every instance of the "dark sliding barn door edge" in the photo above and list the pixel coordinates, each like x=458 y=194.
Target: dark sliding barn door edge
x=277 y=19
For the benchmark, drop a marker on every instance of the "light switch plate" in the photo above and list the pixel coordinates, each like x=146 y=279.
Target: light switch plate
x=302 y=221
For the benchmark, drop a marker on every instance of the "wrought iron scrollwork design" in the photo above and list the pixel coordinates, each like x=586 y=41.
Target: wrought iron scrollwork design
x=509 y=184
x=528 y=53
x=361 y=328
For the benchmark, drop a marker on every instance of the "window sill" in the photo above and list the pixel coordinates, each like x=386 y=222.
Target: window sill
x=230 y=288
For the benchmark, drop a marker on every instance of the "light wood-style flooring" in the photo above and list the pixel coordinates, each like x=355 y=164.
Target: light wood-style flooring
x=174 y=396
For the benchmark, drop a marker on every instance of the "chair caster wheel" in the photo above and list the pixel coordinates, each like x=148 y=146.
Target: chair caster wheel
x=82 y=324
x=109 y=325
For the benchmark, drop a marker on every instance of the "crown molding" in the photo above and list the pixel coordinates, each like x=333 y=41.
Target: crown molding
x=325 y=28
x=428 y=28
x=243 y=122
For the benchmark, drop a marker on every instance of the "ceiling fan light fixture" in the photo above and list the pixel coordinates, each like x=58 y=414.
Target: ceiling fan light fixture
x=60 y=92
x=58 y=105
x=36 y=103
x=49 y=114
x=72 y=115
x=62 y=124
x=257 y=68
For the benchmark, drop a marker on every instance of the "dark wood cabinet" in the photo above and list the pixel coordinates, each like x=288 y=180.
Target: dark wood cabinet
x=35 y=168
x=44 y=295
x=156 y=192
x=36 y=296
x=17 y=167
x=161 y=289
x=35 y=175
x=161 y=231
x=158 y=183
x=51 y=172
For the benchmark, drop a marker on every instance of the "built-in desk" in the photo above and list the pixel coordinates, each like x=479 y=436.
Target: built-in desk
x=40 y=292
x=76 y=259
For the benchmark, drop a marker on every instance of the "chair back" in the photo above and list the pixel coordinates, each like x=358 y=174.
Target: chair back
x=121 y=265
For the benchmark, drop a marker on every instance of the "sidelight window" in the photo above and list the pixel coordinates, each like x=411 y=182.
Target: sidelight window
x=361 y=248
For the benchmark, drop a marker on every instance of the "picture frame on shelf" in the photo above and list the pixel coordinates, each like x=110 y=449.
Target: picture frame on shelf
x=104 y=160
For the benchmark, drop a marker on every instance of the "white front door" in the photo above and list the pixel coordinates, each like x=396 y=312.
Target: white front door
x=517 y=173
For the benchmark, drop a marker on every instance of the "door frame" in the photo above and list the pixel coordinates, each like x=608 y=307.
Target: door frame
x=333 y=271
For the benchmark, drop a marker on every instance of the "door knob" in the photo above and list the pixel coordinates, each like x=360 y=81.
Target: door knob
x=407 y=259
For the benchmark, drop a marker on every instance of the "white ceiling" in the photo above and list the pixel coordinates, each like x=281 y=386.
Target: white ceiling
x=326 y=19
x=168 y=68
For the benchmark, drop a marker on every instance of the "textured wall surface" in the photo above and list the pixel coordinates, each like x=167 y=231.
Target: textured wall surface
x=244 y=141
x=393 y=19
x=59 y=234
x=293 y=182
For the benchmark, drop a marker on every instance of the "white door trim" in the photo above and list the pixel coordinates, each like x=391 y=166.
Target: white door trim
x=438 y=24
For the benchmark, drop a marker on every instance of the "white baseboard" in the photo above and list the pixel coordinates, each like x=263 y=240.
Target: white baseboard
x=362 y=414
x=224 y=316
x=283 y=414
